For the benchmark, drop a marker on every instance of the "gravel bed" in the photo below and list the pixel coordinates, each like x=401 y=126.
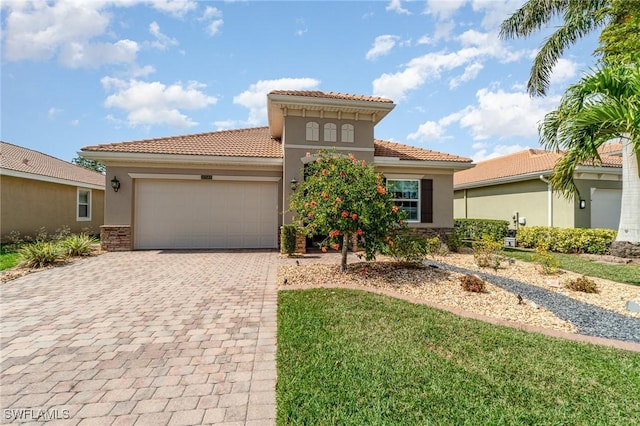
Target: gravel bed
x=590 y=320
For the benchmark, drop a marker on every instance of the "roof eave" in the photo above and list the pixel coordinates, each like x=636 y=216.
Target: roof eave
x=50 y=179
x=140 y=157
x=397 y=162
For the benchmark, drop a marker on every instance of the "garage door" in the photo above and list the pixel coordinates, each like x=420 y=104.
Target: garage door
x=178 y=214
x=605 y=208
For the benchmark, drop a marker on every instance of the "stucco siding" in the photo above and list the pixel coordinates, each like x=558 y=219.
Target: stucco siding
x=26 y=205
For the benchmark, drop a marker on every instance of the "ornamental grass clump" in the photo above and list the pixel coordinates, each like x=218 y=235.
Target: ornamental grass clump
x=41 y=254
x=78 y=244
x=582 y=284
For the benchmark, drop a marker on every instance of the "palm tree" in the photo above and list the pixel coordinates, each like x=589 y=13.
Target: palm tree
x=579 y=17
x=603 y=105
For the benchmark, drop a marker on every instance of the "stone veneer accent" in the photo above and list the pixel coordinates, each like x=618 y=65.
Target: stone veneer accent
x=301 y=242
x=115 y=238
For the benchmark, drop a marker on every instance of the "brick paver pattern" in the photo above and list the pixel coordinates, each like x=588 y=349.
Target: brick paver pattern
x=136 y=338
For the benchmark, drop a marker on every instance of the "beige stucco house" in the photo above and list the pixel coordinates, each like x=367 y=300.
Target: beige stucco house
x=40 y=191
x=515 y=187
x=230 y=189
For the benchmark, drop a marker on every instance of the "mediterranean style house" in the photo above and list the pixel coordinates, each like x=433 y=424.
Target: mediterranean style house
x=230 y=189
x=515 y=187
x=40 y=191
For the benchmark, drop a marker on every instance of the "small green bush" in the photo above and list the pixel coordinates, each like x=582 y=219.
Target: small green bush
x=547 y=263
x=583 y=284
x=567 y=240
x=41 y=253
x=486 y=252
x=288 y=238
x=411 y=248
x=475 y=229
x=453 y=241
x=472 y=284
x=78 y=244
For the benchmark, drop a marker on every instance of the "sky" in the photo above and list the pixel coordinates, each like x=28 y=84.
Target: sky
x=85 y=72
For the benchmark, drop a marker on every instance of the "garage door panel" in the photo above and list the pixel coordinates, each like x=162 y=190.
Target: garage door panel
x=205 y=214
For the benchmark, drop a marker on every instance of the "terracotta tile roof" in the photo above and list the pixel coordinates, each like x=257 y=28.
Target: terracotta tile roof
x=519 y=163
x=611 y=148
x=330 y=95
x=254 y=142
x=19 y=159
x=406 y=152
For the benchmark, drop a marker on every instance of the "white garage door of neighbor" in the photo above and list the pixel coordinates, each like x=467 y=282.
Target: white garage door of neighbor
x=605 y=208
x=175 y=214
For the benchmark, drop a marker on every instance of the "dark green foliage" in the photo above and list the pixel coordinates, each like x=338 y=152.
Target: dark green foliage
x=475 y=229
x=89 y=164
x=411 y=248
x=288 y=238
x=567 y=240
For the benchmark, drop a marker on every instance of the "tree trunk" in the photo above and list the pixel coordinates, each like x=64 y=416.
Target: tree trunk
x=345 y=247
x=629 y=228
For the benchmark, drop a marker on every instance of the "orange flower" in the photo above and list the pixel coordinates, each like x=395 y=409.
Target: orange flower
x=334 y=233
x=354 y=216
x=325 y=171
x=359 y=231
x=401 y=221
x=351 y=157
x=395 y=209
x=313 y=203
x=343 y=174
x=390 y=242
x=325 y=195
x=308 y=154
x=381 y=190
x=338 y=200
x=324 y=249
x=364 y=163
x=336 y=246
x=310 y=214
x=345 y=213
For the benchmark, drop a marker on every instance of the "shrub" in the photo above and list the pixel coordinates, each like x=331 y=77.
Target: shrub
x=453 y=241
x=583 y=284
x=41 y=253
x=547 y=263
x=472 y=283
x=475 y=229
x=567 y=240
x=288 y=238
x=78 y=244
x=411 y=248
x=486 y=252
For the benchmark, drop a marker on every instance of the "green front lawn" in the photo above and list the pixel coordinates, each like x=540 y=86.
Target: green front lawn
x=8 y=259
x=629 y=274
x=349 y=357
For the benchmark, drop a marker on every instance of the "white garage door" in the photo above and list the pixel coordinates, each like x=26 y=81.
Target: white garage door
x=605 y=208
x=178 y=214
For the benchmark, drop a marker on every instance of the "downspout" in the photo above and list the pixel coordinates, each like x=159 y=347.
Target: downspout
x=550 y=199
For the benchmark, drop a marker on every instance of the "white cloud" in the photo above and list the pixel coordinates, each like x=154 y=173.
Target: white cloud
x=211 y=12
x=476 y=48
x=470 y=72
x=428 y=131
x=215 y=16
x=564 y=70
x=498 y=151
x=75 y=122
x=495 y=11
x=396 y=6
x=153 y=103
x=162 y=41
x=177 y=8
x=53 y=111
x=214 y=27
x=255 y=97
x=144 y=71
x=94 y=55
x=443 y=9
x=382 y=45
x=425 y=40
x=443 y=30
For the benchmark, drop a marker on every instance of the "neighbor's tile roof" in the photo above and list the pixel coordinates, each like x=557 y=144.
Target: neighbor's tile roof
x=330 y=95
x=406 y=152
x=254 y=142
x=611 y=148
x=519 y=163
x=19 y=159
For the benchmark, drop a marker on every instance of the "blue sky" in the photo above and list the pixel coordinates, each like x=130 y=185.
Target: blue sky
x=83 y=72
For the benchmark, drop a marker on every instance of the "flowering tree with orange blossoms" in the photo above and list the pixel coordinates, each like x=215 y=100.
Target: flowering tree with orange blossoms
x=342 y=197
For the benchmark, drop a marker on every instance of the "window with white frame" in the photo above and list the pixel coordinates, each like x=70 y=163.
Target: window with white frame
x=347 y=133
x=313 y=131
x=84 y=204
x=406 y=195
x=330 y=132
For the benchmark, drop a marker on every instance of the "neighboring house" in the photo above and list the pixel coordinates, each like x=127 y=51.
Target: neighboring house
x=516 y=186
x=40 y=191
x=230 y=189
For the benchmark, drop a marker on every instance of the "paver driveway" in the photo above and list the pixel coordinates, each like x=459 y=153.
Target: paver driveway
x=138 y=338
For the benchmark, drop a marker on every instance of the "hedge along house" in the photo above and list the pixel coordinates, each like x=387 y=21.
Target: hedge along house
x=515 y=187
x=230 y=189
x=40 y=191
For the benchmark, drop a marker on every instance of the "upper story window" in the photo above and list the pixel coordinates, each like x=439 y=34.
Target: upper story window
x=313 y=131
x=347 y=133
x=330 y=132
x=83 y=211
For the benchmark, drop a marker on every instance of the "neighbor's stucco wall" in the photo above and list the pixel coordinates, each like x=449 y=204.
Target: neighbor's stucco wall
x=583 y=217
x=26 y=205
x=120 y=205
x=528 y=198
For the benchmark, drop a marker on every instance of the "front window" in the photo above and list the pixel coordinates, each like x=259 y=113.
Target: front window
x=313 y=131
x=84 y=204
x=406 y=195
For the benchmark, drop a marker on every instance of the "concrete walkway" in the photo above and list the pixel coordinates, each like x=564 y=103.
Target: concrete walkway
x=157 y=338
